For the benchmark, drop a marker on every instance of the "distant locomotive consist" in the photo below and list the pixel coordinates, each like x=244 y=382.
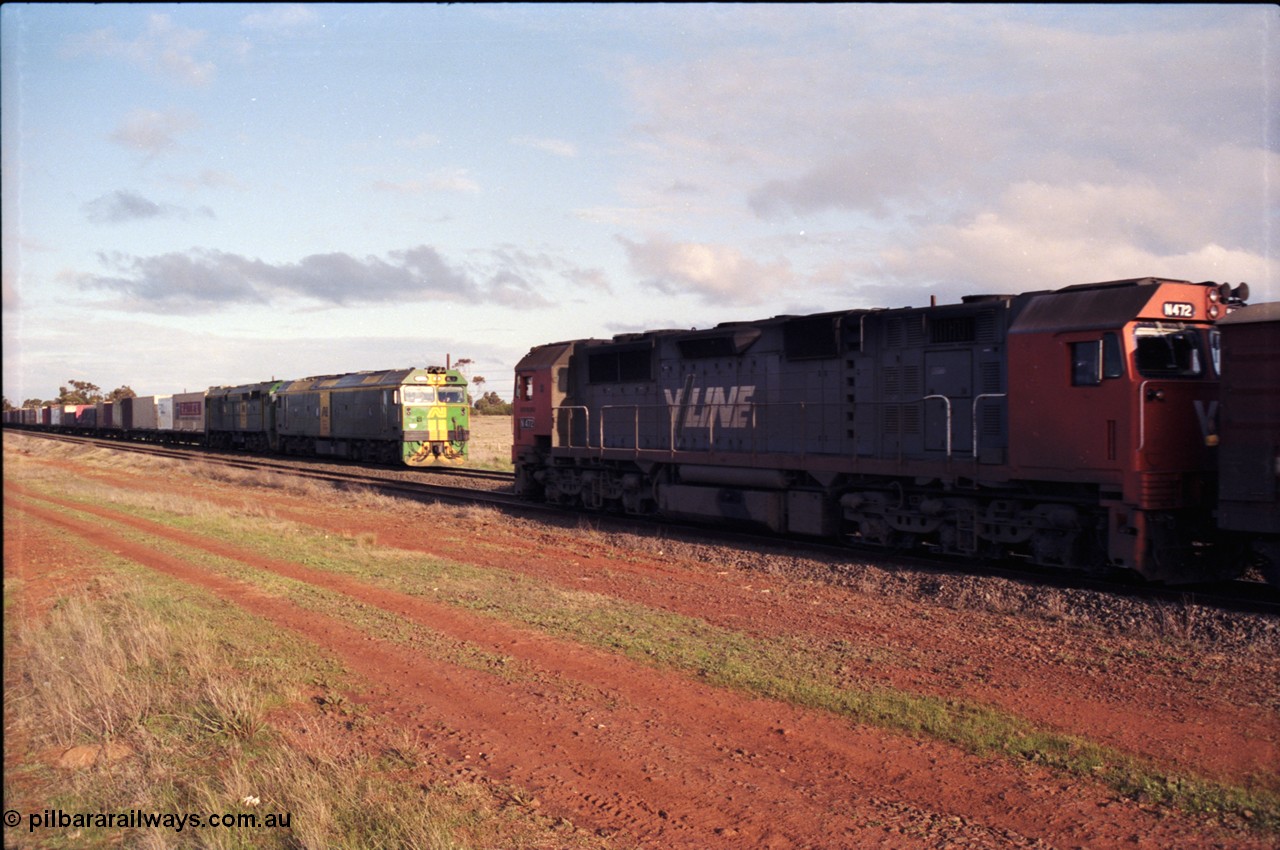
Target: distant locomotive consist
x=416 y=417
x=1075 y=428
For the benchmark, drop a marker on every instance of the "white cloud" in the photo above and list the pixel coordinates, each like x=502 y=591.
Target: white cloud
x=988 y=147
x=153 y=132
x=123 y=206
x=163 y=48
x=718 y=273
x=202 y=281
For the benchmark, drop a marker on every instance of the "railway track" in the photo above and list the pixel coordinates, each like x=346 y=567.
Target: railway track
x=482 y=486
x=463 y=485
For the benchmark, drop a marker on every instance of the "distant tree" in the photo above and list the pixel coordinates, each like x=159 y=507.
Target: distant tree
x=33 y=402
x=478 y=380
x=81 y=392
x=120 y=392
x=463 y=364
x=5 y=401
x=491 y=404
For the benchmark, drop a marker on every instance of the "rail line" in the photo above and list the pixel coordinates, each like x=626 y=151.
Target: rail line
x=1241 y=596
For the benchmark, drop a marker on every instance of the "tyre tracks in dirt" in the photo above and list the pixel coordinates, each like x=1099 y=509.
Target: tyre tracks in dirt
x=617 y=747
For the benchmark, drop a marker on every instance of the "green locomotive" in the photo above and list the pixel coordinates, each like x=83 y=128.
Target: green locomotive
x=418 y=417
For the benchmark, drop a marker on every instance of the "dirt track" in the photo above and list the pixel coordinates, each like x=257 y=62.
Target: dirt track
x=620 y=748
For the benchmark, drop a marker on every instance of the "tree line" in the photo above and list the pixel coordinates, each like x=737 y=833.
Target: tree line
x=83 y=392
x=77 y=392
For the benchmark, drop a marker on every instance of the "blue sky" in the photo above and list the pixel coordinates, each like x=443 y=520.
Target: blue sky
x=201 y=194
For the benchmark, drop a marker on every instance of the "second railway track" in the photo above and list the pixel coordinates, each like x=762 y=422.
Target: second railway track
x=464 y=485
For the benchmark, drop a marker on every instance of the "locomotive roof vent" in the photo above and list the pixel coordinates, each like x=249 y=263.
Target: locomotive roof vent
x=982 y=299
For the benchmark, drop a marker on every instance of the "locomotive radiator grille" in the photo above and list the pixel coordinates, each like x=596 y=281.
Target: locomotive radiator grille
x=1160 y=491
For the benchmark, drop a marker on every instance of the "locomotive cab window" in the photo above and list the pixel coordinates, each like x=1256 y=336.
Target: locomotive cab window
x=419 y=395
x=1095 y=360
x=524 y=388
x=450 y=395
x=1169 y=351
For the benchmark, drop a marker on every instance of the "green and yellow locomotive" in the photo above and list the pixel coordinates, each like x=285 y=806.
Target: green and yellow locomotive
x=419 y=417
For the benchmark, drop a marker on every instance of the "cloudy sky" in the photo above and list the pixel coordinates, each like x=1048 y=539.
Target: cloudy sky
x=198 y=194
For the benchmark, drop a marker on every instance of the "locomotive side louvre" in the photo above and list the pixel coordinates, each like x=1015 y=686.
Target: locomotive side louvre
x=932 y=381
x=1066 y=427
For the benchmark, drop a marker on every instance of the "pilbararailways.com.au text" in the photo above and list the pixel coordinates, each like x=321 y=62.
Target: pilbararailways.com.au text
x=138 y=819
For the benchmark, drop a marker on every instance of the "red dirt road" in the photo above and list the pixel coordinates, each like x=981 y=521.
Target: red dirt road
x=623 y=749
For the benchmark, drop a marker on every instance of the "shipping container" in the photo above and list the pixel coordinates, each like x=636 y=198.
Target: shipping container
x=164 y=413
x=141 y=413
x=86 y=417
x=107 y=415
x=188 y=413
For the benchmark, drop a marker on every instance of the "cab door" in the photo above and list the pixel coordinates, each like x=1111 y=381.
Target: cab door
x=325 y=421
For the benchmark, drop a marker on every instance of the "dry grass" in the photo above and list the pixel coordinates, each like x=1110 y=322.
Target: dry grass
x=490 y=444
x=200 y=695
x=200 y=687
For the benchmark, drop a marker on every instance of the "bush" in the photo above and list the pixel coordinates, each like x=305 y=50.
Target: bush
x=491 y=404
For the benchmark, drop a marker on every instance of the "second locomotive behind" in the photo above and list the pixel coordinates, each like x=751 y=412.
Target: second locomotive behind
x=1075 y=428
x=415 y=417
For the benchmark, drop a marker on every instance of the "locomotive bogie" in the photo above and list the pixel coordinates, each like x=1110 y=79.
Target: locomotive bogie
x=1072 y=428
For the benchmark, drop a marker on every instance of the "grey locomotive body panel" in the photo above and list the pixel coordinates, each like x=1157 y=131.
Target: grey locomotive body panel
x=885 y=385
x=360 y=405
x=367 y=413
x=242 y=408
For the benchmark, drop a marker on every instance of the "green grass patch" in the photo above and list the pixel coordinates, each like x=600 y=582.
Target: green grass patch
x=188 y=691
x=779 y=668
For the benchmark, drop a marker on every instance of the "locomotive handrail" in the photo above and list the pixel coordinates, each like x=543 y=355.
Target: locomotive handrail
x=754 y=437
x=1142 y=415
x=569 y=431
x=974 y=415
x=635 y=421
x=948 y=403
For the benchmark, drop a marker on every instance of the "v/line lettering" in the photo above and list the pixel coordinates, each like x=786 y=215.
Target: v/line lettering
x=729 y=407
